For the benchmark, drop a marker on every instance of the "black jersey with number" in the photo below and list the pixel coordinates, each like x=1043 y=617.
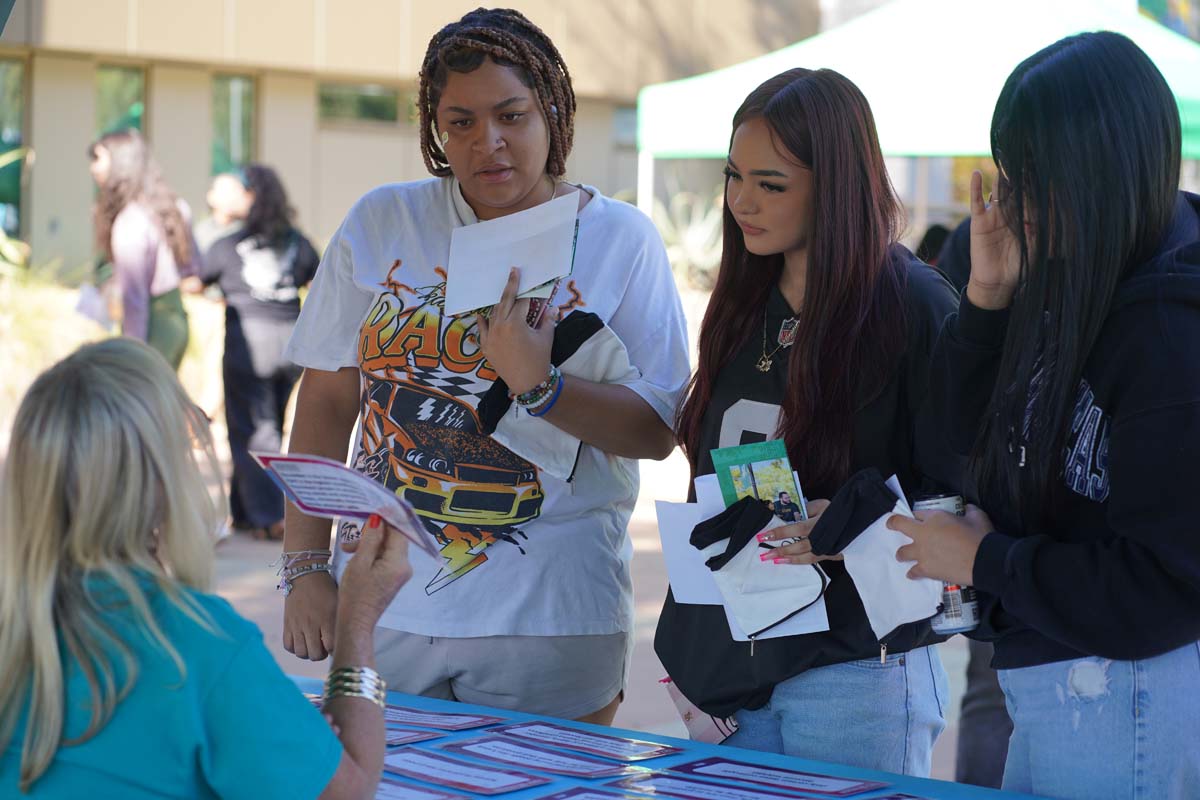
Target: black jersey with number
x=693 y=642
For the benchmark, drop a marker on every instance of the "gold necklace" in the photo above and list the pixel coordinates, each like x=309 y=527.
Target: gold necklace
x=767 y=360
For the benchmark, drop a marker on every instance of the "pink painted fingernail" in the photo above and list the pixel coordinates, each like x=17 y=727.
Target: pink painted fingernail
x=764 y=556
x=779 y=561
x=764 y=537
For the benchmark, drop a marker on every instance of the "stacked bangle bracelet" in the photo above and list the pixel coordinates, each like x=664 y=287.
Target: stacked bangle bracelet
x=541 y=398
x=361 y=682
x=288 y=576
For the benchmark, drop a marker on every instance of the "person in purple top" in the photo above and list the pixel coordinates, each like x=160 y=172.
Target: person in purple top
x=144 y=229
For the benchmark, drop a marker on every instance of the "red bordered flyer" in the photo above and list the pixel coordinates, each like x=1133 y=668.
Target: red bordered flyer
x=531 y=756
x=588 y=793
x=441 y=771
x=395 y=790
x=439 y=720
x=777 y=777
x=662 y=784
x=322 y=487
x=400 y=736
x=618 y=748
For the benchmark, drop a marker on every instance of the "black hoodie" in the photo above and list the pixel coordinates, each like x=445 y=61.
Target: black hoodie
x=693 y=642
x=1117 y=574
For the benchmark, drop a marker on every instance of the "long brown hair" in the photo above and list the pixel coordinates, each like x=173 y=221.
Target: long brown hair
x=135 y=177
x=511 y=40
x=853 y=323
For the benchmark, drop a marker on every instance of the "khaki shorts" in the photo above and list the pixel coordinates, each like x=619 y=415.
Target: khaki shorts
x=555 y=676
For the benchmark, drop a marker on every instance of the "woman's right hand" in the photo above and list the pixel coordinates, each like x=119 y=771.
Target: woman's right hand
x=995 y=253
x=374 y=574
x=309 y=615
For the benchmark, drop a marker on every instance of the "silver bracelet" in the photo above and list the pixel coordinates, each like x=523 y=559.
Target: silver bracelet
x=288 y=577
x=362 y=682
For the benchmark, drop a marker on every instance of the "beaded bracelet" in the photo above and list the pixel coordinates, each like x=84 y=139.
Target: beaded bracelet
x=543 y=410
x=288 y=577
x=538 y=394
x=361 y=682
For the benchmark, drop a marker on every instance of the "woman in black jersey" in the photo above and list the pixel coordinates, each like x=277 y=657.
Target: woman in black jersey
x=818 y=332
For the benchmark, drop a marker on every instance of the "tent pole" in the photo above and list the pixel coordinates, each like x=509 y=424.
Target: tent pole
x=645 y=182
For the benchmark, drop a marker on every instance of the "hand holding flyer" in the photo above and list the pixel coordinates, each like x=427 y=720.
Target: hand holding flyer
x=321 y=487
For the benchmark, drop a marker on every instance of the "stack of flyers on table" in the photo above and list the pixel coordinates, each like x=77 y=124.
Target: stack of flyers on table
x=761 y=599
x=322 y=487
x=539 y=241
x=781 y=782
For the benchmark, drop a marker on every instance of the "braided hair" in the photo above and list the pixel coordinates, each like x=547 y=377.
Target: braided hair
x=511 y=40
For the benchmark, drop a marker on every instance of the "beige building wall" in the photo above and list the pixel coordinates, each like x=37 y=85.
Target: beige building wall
x=179 y=126
x=62 y=120
x=353 y=159
x=287 y=130
x=290 y=47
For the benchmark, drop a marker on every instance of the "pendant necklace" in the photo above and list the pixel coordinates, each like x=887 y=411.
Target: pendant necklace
x=787 y=335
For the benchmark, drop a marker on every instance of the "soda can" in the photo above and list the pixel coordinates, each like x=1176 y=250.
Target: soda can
x=959 y=609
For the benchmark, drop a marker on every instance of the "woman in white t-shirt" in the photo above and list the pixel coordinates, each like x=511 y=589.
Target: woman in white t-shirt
x=529 y=603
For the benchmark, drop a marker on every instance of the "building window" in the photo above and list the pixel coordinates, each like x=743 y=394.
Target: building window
x=12 y=156
x=120 y=99
x=233 y=122
x=340 y=102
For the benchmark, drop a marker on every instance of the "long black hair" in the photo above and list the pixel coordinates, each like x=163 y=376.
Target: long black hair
x=1086 y=135
x=852 y=328
x=270 y=216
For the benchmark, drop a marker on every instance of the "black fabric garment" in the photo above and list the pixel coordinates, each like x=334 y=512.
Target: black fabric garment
x=1115 y=572
x=955 y=259
x=862 y=500
x=258 y=382
x=693 y=641
x=739 y=524
x=261 y=280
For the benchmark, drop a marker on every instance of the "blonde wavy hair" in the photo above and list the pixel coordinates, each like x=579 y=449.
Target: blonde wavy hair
x=104 y=487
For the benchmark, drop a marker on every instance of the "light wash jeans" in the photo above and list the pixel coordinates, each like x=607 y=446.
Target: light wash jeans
x=861 y=713
x=1097 y=729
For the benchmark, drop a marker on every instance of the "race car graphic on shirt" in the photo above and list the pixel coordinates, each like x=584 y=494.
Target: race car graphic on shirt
x=420 y=436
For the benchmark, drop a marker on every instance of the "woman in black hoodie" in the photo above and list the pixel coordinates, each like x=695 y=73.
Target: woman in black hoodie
x=818 y=332
x=1069 y=376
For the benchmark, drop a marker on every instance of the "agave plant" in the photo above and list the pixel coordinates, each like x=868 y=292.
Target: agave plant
x=691 y=229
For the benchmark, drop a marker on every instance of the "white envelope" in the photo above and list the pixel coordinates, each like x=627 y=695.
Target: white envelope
x=889 y=596
x=539 y=241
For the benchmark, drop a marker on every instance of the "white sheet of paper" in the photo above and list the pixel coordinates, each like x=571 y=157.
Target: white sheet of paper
x=508 y=750
x=618 y=748
x=657 y=783
x=889 y=597
x=539 y=241
x=691 y=581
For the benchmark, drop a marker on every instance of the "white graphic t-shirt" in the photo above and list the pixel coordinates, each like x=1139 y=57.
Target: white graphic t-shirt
x=521 y=552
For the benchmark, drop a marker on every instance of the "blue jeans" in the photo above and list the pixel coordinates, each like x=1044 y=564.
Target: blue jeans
x=1096 y=729
x=861 y=713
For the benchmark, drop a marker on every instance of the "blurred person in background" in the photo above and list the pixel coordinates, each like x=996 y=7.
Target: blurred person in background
x=144 y=231
x=260 y=269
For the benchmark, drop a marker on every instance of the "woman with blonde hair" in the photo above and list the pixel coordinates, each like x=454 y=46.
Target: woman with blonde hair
x=122 y=678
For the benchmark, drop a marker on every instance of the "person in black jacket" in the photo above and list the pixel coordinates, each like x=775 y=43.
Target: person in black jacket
x=1068 y=375
x=810 y=229
x=260 y=269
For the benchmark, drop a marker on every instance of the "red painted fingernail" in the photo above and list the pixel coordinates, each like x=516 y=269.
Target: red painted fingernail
x=374 y=521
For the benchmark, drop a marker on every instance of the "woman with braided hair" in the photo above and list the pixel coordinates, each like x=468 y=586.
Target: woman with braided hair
x=529 y=604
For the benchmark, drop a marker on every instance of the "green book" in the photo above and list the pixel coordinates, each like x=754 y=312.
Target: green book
x=760 y=470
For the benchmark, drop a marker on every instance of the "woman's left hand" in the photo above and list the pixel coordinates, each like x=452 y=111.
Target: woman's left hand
x=800 y=550
x=519 y=354
x=943 y=545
